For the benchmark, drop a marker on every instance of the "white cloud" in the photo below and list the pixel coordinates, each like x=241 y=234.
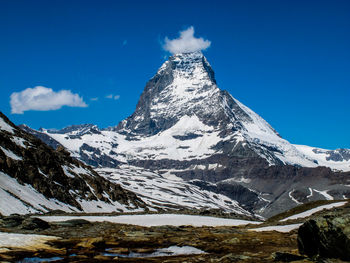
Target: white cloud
x=111 y=96
x=43 y=99
x=186 y=43
x=94 y=99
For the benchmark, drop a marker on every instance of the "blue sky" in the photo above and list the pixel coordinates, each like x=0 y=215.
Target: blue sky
x=289 y=61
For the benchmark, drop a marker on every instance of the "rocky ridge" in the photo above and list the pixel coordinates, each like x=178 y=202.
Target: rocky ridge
x=52 y=179
x=35 y=178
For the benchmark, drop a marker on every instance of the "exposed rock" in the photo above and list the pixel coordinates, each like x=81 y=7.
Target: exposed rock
x=327 y=236
x=286 y=257
x=12 y=220
x=73 y=223
x=91 y=242
x=32 y=223
x=64 y=181
x=101 y=241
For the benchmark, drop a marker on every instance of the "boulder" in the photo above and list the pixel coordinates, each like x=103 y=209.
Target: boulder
x=327 y=236
x=32 y=223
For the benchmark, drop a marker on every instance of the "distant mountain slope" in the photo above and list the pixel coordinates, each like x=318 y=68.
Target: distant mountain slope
x=164 y=193
x=36 y=178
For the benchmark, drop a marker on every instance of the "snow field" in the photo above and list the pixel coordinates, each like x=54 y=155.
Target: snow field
x=283 y=229
x=149 y=220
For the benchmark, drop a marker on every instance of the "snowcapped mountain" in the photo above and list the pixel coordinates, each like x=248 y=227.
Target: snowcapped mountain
x=34 y=178
x=185 y=126
x=182 y=115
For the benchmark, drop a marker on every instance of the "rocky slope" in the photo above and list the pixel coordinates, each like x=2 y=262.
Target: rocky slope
x=323 y=237
x=185 y=126
x=35 y=178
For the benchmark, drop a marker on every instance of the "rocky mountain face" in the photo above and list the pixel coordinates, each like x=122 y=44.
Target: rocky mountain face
x=185 y=127
x=35 y=178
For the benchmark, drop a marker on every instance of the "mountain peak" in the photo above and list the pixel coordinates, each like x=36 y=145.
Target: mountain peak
x=191 y=56
x=183 y=85
x=76 y=130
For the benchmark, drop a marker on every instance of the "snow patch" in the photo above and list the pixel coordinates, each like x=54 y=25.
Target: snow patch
x=293 y=199
x=23 y=199
x=10 y=154
x=11 y=240
x=325 y=194
x=19 y=141
x=149 y=220
x=314 y=210
x=160 y=191
x=5 y=126
x=321 y=155
x=283 y=229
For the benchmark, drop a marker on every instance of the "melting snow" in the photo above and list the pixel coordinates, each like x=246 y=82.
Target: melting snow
x=10 y=154
x=325 y=194
x=157 y=220
x=5 y=127
x=11 y=240
x=158 y=191
x=21 y=199
x=314 y=210
x=283 y=229
x=67 y=171
x=291 y=197
x=19 y=141
x=162 y=252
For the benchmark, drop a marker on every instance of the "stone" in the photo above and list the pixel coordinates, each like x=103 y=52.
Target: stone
x=73 y=223
x=119 y=250
x=286 y=257
x=13 y=220
x=100 y=257
x=91 y=242
x=327 y=236
x=34 y=223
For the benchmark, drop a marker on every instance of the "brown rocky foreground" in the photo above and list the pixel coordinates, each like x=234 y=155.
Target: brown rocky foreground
x=78 y=240
x=81 y=241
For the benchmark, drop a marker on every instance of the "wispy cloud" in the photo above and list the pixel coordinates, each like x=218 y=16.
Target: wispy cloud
x=43 y=99
x=94 y=99
x=186 y=42
x=114 y=97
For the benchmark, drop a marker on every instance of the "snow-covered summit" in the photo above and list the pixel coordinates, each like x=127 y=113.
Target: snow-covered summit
x=185 y=86
x=185 y=126
x=183 y=115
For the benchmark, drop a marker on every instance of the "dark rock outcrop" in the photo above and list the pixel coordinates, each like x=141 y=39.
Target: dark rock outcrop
x=33 y=223
x=327 y=236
